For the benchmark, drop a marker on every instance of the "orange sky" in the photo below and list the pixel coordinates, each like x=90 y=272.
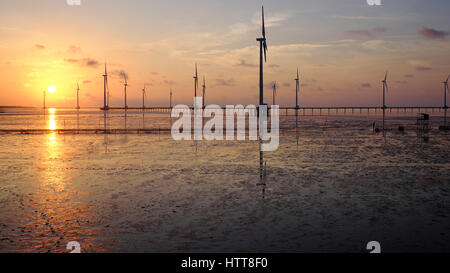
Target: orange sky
x=342 y=53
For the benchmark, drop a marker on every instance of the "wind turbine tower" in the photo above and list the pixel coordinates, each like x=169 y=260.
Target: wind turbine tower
x=204 y=91
x=262 y=50
x=78 y=96
x=195 y=81
x=385 y=89
x=143 y=97
x=274 y=86
x=171 y=98
x=445 y=92
x=297 y=85
x=125 y=91
x=105 y=92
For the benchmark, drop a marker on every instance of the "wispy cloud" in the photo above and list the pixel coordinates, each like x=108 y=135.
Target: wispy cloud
x=366 y=33
x=433 y=34
x=366 y=85
x=88 y=62
x=423 y=68
x=38 y=46
x=243 y=63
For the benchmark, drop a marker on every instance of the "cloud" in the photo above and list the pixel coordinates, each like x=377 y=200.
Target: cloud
x=243 y=63
x=224 y=82
x=433 y=34
x=74 y=49
x=86 y=81
x=367 y=33
x=286 y=84
x=38 y=46
x=120 y=73
x=365 y=85
x=274 y=65
x=304 y=85
x=401 y=82
x=409 y=76
x=88 y=62
x=423 y=68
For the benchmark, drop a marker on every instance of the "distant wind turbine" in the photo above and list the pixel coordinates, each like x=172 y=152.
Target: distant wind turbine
x=78 y=96
x=204 y=91
x=385 y=89
x=105 y=92
x=274 y=86
x=195 y=81
x=125 y=92
x=262 y=50
x=170 y=97
x=144 y=93
x=297 y=85
x=445 y=92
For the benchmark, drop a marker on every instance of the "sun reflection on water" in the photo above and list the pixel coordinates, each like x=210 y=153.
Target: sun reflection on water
x=52 y=120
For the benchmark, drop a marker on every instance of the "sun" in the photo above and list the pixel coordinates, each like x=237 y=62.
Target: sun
x=52 y=89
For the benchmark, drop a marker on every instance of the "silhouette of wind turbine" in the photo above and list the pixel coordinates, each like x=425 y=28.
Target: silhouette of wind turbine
x=262 y=50
x=195 y=82
x=274 y=86
x=125 y=91
x=385 y=89
x=170 y=97
x=144 y=93
x=297 y=85
x=105 y=90
x=78 y=96
x=445 y=92
x=204 y=91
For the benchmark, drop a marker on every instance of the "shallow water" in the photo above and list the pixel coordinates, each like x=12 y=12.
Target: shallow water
x=331 y=187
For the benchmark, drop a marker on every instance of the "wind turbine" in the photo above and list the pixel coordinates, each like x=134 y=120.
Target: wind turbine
x=274 y=86
x=204 y=90
x=445 y=92
x=297 y=85
x=144 y=93
x=385 y=89
x=78 y=96
x=170 y=97
x=262 y=50
x=105 y=92
x=195 y=81
x=125 y=91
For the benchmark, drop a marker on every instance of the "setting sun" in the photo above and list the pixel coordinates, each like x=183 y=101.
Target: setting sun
x=52 y=89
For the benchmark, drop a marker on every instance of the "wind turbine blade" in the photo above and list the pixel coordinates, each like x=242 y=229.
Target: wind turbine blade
x=385 y=77
x=265 y=51
x=263 y=24
x=447 y=78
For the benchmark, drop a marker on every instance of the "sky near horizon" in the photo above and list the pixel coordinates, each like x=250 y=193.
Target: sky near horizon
x=341 y=47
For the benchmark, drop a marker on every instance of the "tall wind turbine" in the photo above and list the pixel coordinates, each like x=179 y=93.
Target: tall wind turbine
x=171 y=98
x=143 y=97
x=297 y=86
x=445 y=92
x=385 y=89
x=78 y=96
x=105 y=92
x=274 y=86
x=195 y=81
x=125 y=91
x=262 y=50
x=204 y=91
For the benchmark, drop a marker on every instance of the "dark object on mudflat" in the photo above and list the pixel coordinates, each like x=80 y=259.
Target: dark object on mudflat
x=377 y=130
x=401 y=128
x=444 y=128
